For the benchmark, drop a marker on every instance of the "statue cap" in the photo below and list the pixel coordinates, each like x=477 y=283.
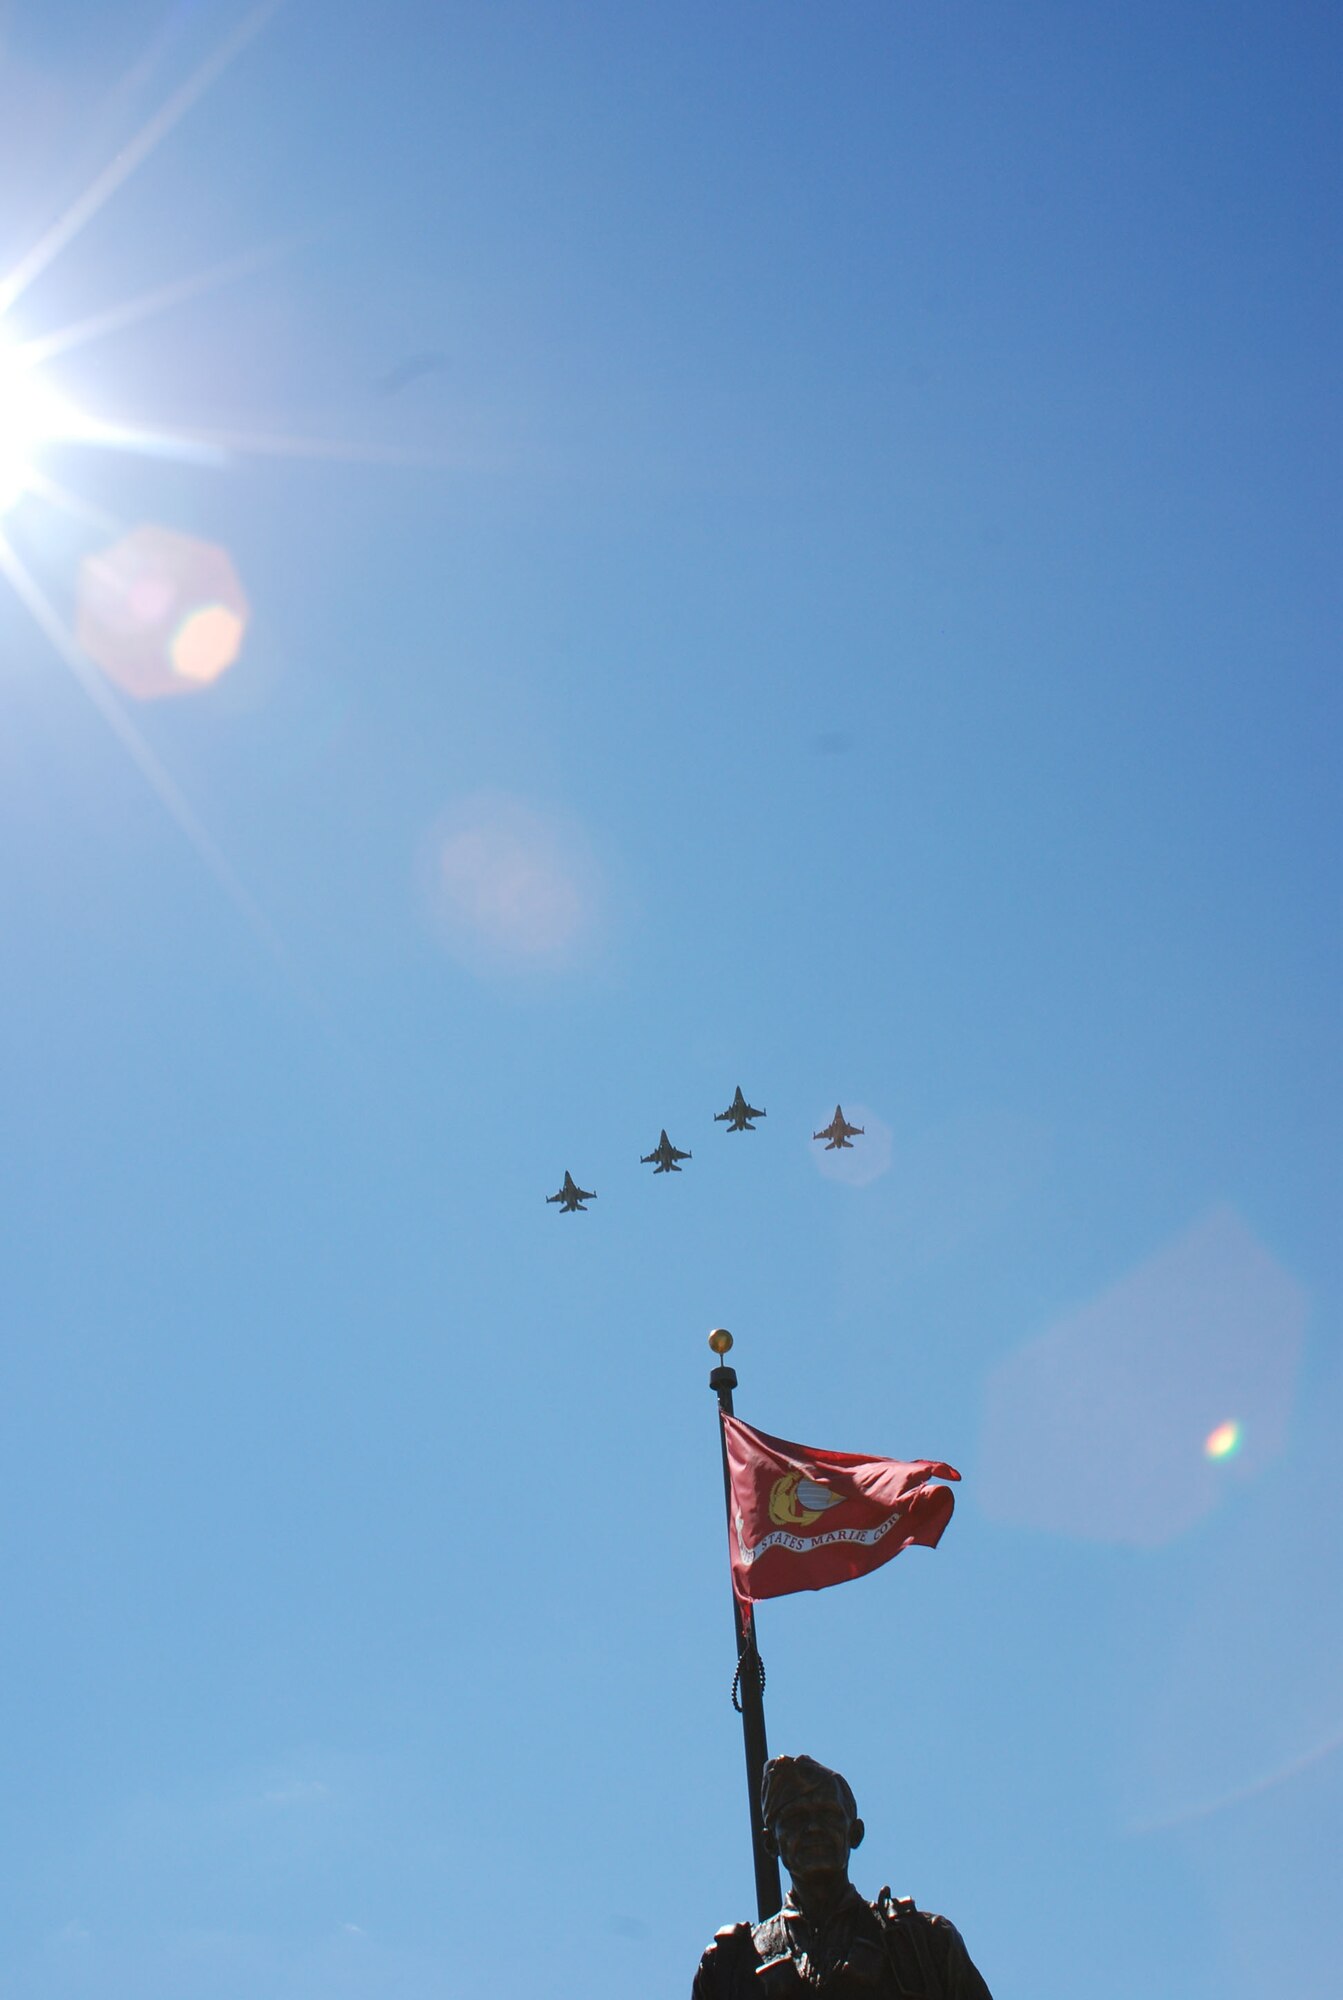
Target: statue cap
x=788 y=1779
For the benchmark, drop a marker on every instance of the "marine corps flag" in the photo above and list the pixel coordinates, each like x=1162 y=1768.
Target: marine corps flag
x=801 y=1519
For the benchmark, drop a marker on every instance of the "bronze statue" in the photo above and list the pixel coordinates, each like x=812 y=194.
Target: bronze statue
x=826 y=1939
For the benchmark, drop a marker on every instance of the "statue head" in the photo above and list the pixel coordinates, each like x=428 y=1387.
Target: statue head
x=811 y=1820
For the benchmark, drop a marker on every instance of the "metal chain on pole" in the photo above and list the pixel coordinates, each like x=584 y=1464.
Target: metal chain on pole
x=757 y=1668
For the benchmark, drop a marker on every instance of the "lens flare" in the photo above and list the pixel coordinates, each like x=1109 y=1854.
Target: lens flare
x=511 y=888
x=161 y=613
x=206 y=642
x=31 y=415
x=1210 y=1324
x=1224 y=1442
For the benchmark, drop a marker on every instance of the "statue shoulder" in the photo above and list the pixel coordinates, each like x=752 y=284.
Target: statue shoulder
x=935 y=1944
x=729 y=1959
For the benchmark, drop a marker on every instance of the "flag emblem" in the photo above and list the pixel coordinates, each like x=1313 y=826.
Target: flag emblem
x=797 y=1502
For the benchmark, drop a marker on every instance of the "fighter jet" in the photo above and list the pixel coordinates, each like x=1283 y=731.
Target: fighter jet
x=665 y=1154
x=738 y=1114
x=571 y=1196
x=838 y=1132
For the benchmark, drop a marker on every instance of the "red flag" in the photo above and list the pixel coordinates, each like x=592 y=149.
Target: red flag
x=803 y=1519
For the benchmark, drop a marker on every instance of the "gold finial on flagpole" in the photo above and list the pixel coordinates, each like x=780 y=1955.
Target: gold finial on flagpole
x=720 y=1340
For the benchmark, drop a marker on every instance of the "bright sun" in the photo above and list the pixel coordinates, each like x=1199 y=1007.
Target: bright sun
x=31 y=415
x=178 y=613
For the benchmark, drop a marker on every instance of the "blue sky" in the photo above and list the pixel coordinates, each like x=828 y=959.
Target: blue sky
x=781 y=545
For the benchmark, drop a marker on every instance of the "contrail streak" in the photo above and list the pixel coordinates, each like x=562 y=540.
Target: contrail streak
x=1243 y=1793
x=275 y=444
x=218 y=448
x=148 y=304
x=101 y=190
x=73 y=504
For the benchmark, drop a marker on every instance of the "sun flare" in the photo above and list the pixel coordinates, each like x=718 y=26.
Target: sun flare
x=32 y=416
x=1224 y=1442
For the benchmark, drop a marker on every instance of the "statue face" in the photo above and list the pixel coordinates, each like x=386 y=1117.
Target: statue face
x=814 y=1836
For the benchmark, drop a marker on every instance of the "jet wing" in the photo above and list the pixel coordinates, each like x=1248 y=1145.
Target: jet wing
x=838 y=1132
x=571 y=1195
x=738 y=1114
x=664 y=1156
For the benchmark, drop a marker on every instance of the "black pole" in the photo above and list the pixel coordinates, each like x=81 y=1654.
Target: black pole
x=750 y=1675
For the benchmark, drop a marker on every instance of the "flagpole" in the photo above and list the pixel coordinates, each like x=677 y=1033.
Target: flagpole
x=750 y=1673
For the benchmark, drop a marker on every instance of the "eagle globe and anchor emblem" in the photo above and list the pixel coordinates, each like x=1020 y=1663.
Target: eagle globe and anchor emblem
x=796 y=1501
